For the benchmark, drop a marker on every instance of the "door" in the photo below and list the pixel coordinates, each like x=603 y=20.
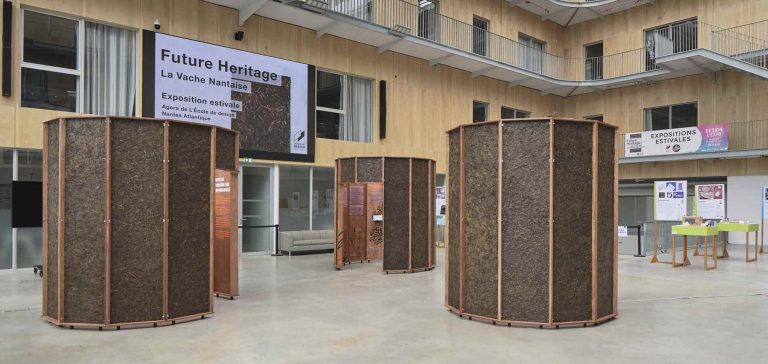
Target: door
x=480 y=36
x=428 y=19
x=593 y=64
x=256 y=237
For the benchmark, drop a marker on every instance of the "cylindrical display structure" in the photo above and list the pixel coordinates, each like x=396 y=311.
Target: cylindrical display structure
x=532 y=222
x=385 y=210
x=128 y=219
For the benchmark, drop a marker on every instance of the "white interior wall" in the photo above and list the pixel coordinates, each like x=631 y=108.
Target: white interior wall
x=743 y=202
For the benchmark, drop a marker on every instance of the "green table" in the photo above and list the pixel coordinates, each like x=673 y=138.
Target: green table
x=706 y=232
x=729 y=227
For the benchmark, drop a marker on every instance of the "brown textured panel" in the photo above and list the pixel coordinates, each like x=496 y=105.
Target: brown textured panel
x=525 y=222
x=396 y=214
x=52 y=265
x=605 y=220
x=369 y=170
x=265 y=122
x=481 y=219
x=420 y=214
x=136 y=259
x=375 y=228
x=225 y=149
x=189 y=215
x=84 y=214
x=572 y=255
x=452 y=246
x=347 y=170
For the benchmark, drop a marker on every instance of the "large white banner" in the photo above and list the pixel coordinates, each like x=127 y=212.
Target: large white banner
x=670 y=200
x=699 y=139
x=264 y=98
x=710 y=201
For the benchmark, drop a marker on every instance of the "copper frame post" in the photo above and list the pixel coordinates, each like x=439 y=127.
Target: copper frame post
x=335 y=213
x=462 y=242
x=45 y=220
x=107 y=217
x=594 y=219
x=498 y=223
x=211 y=218
x=430 y=206
x=551 y=215
x=410 y=213
x=166 y=217
x=62 y=180
x=616 y=223
x=446 y=226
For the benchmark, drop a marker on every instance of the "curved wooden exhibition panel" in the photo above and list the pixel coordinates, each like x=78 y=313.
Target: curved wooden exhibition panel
x=385 y=211
x=128 y=228
x=532 y=222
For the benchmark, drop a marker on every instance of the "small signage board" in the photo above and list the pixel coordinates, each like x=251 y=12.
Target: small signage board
x=623 y=231
x=710 y=201
x=670 y=200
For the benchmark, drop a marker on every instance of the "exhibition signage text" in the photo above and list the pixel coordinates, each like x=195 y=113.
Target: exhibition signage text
x=699 y=139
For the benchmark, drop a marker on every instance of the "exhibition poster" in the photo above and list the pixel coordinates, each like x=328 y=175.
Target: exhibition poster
x=710 y=201
x=764 y=198
x=697 y=139
x=669 y=200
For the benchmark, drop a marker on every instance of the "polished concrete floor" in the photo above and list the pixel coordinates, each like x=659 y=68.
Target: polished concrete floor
x=300 y=310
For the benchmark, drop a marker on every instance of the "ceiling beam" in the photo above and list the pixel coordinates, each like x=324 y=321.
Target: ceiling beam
x=439 y=60
x=387 y=46
x=709 y=74
x=319 y=32
x=482 y=72
x=248 y=9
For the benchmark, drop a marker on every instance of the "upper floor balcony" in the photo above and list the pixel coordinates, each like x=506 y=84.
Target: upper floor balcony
x=677 y=50
x=569 y=12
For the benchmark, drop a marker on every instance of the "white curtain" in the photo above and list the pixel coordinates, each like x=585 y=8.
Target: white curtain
x=110 y=70
x=358 y=124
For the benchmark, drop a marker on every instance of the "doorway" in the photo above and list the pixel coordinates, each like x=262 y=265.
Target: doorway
x=593 y=64
x=256 y=211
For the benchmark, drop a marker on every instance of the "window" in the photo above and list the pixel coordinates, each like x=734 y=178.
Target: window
x=322 y=198
x=531 y=55
x=510 y=113
x=429 y=19
x=479 y=36
x=479 y=111
x=306 y=198
x=77 y=66
x=360 y=9
x=671 y=117
x=669 y=39
x=344 y=107
x=593 y=64
x=595 y=118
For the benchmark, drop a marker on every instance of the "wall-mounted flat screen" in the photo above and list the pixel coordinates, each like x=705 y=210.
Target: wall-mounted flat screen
x=26 y=204
x=269 y=100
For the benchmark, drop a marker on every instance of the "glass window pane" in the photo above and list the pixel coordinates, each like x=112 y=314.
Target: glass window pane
x=50 y=40
x=359 y=123
x=684 y=116
x=48 y=90
x=522 y=114
x=30 y=165
x=6 y=173
x=29 y=245
x=507 y=113
x=479 y=111
x=294 y=198
x=657 y=118
x=109 y=70
x=322 y=198
x=329 y=90
x=328 y=124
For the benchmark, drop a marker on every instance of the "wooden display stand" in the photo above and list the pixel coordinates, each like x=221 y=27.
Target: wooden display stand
x=743 y=228
x=128 y=220
x=520 y=250
x=707 y=232
x=384 y=211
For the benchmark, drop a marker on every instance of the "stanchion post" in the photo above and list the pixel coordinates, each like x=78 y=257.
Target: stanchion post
x=277 y=252
x=639 y=245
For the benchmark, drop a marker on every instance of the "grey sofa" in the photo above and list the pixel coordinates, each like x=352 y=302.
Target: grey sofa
x=306 y=240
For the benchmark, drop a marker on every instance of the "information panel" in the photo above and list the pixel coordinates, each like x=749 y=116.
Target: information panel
x=669 y=200
x=764 y=198
x=270 y=101
x=710 y=201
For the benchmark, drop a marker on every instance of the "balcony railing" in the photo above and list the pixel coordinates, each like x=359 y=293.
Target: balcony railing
x=742 y=136
x=408 y=18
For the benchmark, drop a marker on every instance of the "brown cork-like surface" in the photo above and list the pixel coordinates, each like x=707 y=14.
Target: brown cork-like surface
x=51 y=269
x=572 y=255
x=189 y=204
x=481 y=219
x=84 y=214
x=368 y=170
x=433 y=222
x=347 y=172
x=265 y=122
x=452 y=245
x=136 y=245
x=396 y=213
x=525 y=221
x=605 y=219
x=225 y=149
x=420 y=214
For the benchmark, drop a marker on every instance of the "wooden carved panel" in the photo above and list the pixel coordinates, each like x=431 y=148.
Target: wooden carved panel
x=375 y=246
x=356 y=224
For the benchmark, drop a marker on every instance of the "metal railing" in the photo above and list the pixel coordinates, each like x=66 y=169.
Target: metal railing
x=406 y=18
x=742 y=135
x=745 y=42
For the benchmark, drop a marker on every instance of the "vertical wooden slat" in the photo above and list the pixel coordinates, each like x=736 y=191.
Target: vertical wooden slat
x=594 y=220
x=430 y=215
x=462 y=243
x=410 y=214
x=355 y=169
x=45 y=219
x=60 y=232
x=211 y=218
x=383 y=208
x=166 y=222
x=616 y=222
x=447 y=218
x=551 y=214
x=500 y=187
x=107 y=216
x=336 y=197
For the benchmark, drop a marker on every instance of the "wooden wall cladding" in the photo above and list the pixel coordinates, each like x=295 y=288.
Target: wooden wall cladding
x=405 y=198
x=128 y=210
x=532 y=222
